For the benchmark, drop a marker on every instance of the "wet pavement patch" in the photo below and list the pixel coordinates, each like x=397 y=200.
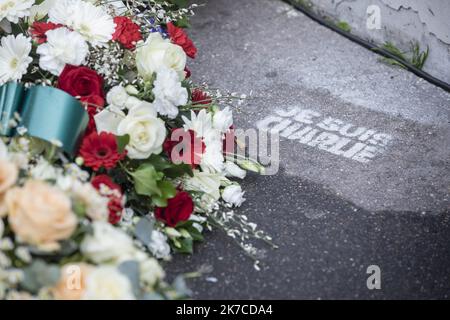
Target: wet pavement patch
x=364 y=163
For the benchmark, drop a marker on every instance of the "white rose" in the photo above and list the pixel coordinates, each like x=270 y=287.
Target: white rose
x=158 y=52
x=233 y=195
x=169 y=93
x=223 y=120
x=117 y=96
x=147 y=132
x=107 y=283
x=108 y=119
x=233 y=170
x=107 y=243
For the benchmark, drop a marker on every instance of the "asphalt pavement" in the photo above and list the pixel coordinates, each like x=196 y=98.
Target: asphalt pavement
x=364 y=175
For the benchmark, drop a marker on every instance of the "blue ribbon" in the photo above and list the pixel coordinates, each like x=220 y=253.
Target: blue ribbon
x=46 y=112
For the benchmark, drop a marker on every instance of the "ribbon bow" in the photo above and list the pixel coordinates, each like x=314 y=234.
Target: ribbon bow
x=46 y=112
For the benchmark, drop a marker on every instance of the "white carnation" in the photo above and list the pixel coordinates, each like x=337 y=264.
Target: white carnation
x=62 y=47
x=169 y=93
x=159 y=246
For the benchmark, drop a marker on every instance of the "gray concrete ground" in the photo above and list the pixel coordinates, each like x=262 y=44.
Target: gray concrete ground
x=366 y=184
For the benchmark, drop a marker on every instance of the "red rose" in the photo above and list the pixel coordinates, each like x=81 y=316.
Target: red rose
x=179 y=37
x=178 y=209
x=127 y=32
x=83 y=83
x=200 y=97
x=100 y=151
x=185 y=142
x=38 y=30
x=115 y=205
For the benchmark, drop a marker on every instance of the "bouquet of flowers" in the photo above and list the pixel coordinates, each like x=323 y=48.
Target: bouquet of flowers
x=111 y=158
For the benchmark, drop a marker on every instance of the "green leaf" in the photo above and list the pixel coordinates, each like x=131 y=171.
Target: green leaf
x=146 y=180
x=167 y=189
x=159 y=201
x=179 y=170
x=143 y=230
x=187 y=246
x=122 y=142
x=40 y=274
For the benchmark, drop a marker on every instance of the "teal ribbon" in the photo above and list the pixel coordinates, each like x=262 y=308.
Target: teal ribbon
x=46 y=112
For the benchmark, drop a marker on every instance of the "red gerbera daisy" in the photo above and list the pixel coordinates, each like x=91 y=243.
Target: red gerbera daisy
x=100 y=151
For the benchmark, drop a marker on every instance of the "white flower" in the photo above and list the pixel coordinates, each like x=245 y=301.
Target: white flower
x=151 y=272
x=107 y=283
x=169 y=94
x=233 y=170
x=212 y=159
x=117 y=96
x=39 y=11
x=233 y=195
x=92 y=22
x=14 y=57
x=200 y=123
x=223 y=120
x=96 y=205
x=107 y=243
x=147 y=132
x=43 y=170
x=133 y=102
x=62 y=47
x=208 y=183
x=158 y=52
x=13 y=10
x=158 y=245
x=108 y=119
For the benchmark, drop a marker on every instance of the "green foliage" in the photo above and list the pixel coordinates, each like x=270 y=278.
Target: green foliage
x=415 y=57
x=344 y=26
x=149 y=179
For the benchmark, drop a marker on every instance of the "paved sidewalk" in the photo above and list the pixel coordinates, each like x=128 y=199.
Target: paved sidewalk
x=366 y=184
